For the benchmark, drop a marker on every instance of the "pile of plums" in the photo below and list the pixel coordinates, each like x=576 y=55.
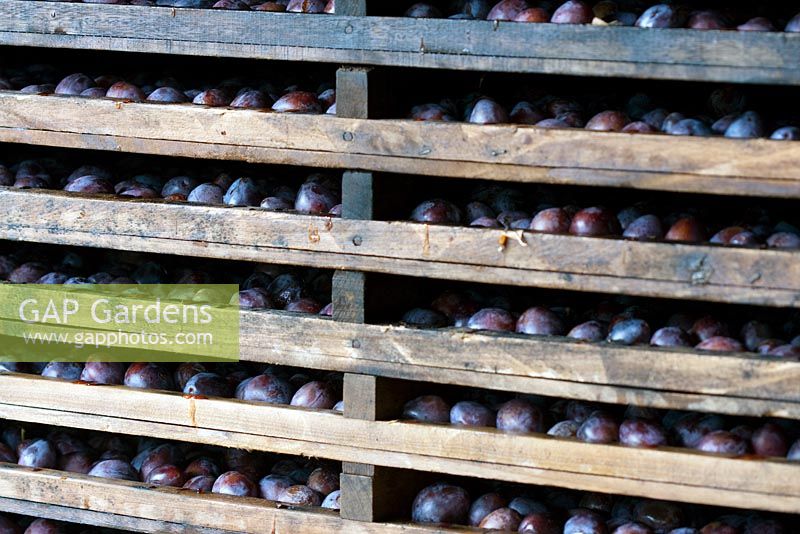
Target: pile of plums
x=29 y=525
x=317 y=195
x=183 y=465
x=608 y=321
x=728 y=116
x=278 y=6
x=261 y=286
x=605 y=12
x=555 y=511
x=634 y=427
x=284 y=97
x=501 y=207
x=250 y=382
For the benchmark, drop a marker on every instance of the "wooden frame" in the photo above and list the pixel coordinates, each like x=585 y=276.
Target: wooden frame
x=83 y=497
x=745 y=57
x=664 y=473
x=495 y=152
x=671 y=270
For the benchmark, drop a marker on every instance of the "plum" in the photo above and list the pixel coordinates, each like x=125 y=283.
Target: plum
x=27 y=273
x=551 y=221
x=116 y=469
x=757 y=24
x=298 y=102
x=507 y=10
x=639 y=127
x=658 y=515
x=539 y=523
x=253 y=299
x=470 y=413
x=90 y=184
x=166 y=475
x=722 y=442
x=786 y=133
x=770 y=440
x=251 y=99
x=487 y=111
x=44 y=88
x=787 y=240
x=236 y=5
x=539 y=321
x=207 y=193
x=661 y=16
x=707 y=326
x=63 y=370
x=94 y=92
x=629 y=332
x=332 y=501
x=76 y=462
x=207 y=385
x=641 y=433
x=594 y=221
x=706 y=20
x=6 y=454
x=441 y=503
x=271 y=486
x=53 y=278
x=265 y=388
x=534 y=14
x=277 y=204
x=592 y=331
x=103 y=372
x=493 y=319
x=749 y=125
x=167 y=95
x=564 y=429
x=423 y=318
x=520 y=415
x=74 y=84
x=300 y=495
x=686 y=229
x=428 y=409
x=200 y=483
x=689 y=127
x=632 y=528
x=212 y=98
x=243 y=192
x=720 y=344
x=599 y=428
x=793 y=26
x=202 y=467
x=431 y=112
x=182 y=185
x=646 y=227
x=148 y=376
x=503 y=519
x=38 y=453
x=234 y=483
x=323 y=480
x=45 y=526
x=424 y=11
x=315 y=199
x=317 y=394
x=525 y=112
x=306 y=6
x=585 y=522
x=484 y=505
x=304 y=305
x=608 y=121
x=125 y=91
x=671 y=336
x=573 y=12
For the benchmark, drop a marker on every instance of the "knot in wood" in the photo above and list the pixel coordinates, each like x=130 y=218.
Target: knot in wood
x=357 y=240
x=347 y=136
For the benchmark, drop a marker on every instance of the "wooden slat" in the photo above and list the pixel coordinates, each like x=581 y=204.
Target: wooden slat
x=453 y=149
x=663 y=378
x=513 y=457
x=472 y=45
x=721 y=274
x=172 y=505
x=99 y=519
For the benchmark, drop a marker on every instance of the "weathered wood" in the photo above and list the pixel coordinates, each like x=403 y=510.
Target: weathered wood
x=99 y=519
x=707 y=272
x=432 y=43
x=172 y=505
x=659 y=181
x=486 y=453
x=665 y=378
x=353 y=8
x=354 y=143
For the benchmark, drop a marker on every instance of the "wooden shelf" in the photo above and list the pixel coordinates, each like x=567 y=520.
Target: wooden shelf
x=744 y=57
x=664 y=473
x=757 y=167
x=103 y=501
x=670 y=270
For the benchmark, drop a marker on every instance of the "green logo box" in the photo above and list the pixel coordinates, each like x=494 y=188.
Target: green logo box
x=119 y=322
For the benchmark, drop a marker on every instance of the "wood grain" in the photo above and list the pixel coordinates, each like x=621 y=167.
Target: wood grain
x=706 y=272
x=377 y=442
x=399 y=145
x=431 y=43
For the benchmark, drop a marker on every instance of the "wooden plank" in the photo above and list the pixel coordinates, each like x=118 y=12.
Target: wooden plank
x=666 y=378
x=348 y=143
x=172 y=505
x=432 y=43
x=658 y=181
x=99 y=519
x=378 y=442
x=722 y=274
